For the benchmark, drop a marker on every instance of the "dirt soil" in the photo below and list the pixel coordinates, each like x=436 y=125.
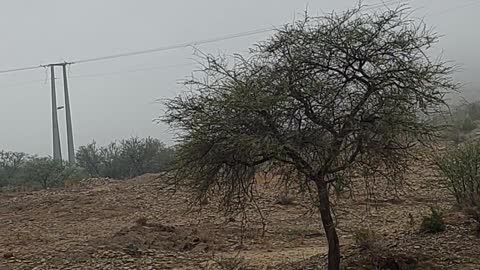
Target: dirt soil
x=143 y=224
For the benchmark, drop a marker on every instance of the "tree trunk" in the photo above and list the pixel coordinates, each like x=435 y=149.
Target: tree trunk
x=328 y=225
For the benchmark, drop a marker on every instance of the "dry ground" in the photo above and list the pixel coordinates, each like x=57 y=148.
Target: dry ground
x=142 y=224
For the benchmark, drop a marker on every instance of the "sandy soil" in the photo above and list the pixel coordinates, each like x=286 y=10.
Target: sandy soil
x=142 y=224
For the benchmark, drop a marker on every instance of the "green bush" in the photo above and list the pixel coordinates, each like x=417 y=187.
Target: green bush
x=126 y=158
x=39 y=172
x=468 y=125
x=473 y=110
x=44 y=171
x=461 y=168
x=119 y=160
x=10 y=167
x=433 y=223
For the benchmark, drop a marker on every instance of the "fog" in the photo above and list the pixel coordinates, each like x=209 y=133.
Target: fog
x=117 y=98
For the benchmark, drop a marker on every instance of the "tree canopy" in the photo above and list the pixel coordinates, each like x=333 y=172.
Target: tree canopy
x=321 y=99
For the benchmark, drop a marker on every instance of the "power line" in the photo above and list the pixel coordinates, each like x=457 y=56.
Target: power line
x=454 y=8
x=19 y=69
x=164 y=48
x=176 y=46
x=96 y=75
x=206 y=41
x=187 y=44
x=383 y=4
x=130 y=71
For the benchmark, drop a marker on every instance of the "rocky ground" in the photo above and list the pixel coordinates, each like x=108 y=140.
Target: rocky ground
x=143 y=224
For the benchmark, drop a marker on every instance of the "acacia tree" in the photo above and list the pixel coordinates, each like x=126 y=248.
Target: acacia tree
x=10 y=165
x=323 y=98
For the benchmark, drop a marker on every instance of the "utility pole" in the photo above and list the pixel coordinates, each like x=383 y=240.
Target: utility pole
x=57 y=152
x=71 y=148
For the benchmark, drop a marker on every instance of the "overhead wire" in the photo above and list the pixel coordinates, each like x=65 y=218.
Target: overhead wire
x=96 y=75
x=19 y=69
x=186 y=44
x=176 y=46
x=467 y=4
x=165 y=67
x=386 y=4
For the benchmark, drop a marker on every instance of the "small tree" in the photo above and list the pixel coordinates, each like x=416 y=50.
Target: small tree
x=468 y=125
x=111 y=161
x=44 y=171
x=323 y=98
x=473 y=110
x=90 y=158
x=10 y=165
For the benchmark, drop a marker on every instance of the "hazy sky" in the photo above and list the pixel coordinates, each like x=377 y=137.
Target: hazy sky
x=121 y=104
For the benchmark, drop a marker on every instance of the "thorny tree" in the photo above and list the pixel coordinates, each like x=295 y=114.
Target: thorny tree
x=323 y=99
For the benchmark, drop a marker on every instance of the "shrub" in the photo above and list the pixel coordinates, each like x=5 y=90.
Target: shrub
x=43 y=171
x=433 y=223
x=10 y=167
x=89 y=158
x=125 y=159
x=461 y=169
x=473 y=110
x=468 y=125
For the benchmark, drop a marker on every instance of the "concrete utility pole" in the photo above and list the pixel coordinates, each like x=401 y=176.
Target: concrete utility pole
x=57 y=152
x=71 y=148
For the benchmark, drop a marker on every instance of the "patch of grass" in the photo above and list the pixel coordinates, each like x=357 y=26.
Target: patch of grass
x=433 y=223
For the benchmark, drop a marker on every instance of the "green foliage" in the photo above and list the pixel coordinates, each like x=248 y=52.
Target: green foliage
x=10 y=165
x=89 y=158
x=74 y=173
x=468 y=125
x=324 y=96
x=44 y=171
x=462 y=122
x=332 y=105
x=433 y=223
x=126 y=158
x=461 y=168
x=473 y=110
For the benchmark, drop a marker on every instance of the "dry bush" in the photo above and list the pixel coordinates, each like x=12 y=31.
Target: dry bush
x=366 y=239
x=461 y=168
